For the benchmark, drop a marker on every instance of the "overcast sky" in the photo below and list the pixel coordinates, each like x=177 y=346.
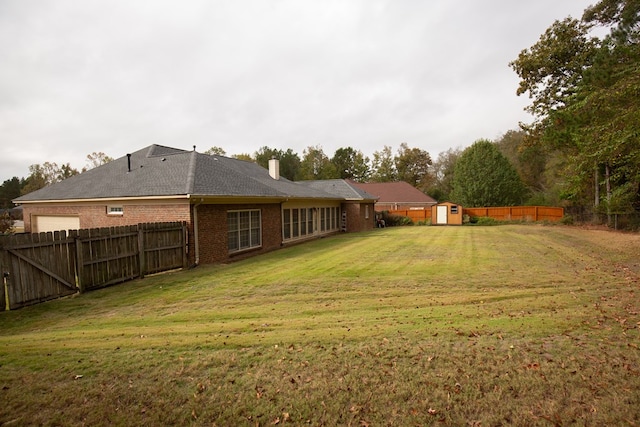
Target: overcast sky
x=114 y=76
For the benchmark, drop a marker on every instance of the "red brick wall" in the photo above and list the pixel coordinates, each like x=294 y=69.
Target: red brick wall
x=212 y=232
x=356 y=217
x=95 y=216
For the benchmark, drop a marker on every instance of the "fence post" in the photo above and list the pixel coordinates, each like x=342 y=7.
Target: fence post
x=141 y=248
x=4 y=296
x=5 y=276
x=79 y=264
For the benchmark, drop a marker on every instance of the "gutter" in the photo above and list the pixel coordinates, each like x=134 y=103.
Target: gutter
x=100 y=200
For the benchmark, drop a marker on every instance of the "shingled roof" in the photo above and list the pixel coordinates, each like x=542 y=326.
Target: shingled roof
x=343 y=188
x=165 y=171
x=395 y=192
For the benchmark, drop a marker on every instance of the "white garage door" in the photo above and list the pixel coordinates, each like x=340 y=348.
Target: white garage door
x=46 y=223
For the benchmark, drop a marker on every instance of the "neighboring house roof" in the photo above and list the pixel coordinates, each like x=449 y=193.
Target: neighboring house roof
x=164 y=171
x=395 y=192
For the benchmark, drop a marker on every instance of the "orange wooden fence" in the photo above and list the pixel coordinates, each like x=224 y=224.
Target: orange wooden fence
x=518 y=213
x=508 y=213
x=415 y=215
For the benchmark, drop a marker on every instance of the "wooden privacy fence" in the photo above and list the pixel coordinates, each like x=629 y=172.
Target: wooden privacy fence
x=518 y=213
x=44 y=266
x=508 y=213
x=415 y=214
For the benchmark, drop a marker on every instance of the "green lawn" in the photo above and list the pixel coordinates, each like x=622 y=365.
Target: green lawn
x=507 y=325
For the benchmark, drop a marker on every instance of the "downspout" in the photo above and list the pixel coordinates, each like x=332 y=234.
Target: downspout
x=196 y=244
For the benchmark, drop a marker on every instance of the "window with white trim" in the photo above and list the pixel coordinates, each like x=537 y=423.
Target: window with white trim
x=244 y=230
x=286 y=223
x=115 y=210
x=298 y=223
x=295 y=222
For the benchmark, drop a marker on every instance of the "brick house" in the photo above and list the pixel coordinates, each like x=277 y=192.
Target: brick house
x=233 y=208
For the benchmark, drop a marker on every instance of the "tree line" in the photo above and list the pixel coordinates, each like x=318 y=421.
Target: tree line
x=507 y=171
x=497 y=169
x=585 y=96
x=41 y=175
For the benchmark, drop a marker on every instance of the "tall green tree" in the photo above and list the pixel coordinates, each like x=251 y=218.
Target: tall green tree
x=216 y=151
x=484 y=177
x=10 y=190
x=383 y=167
x=45 y=174
x=413 y=165
x=289 y=161
x=244 y=156
x=551 y=69
x=530 y=161
x=264 y=154
x=316 y=165
x=351 y=164
x=6 y=222
x=586 y=100
x=443 y=173
x=96 y=159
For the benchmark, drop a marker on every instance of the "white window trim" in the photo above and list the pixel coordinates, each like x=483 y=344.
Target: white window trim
x=314 y=225
x=115 y=210
x=251 y=246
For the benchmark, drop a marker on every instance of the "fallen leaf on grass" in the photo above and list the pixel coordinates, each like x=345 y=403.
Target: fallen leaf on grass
x=432 y=411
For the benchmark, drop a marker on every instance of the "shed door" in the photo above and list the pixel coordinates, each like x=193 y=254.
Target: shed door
x=441 y=214
x=46 y=223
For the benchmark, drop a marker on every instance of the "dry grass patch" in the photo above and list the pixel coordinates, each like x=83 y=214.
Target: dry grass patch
x=509 y=325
